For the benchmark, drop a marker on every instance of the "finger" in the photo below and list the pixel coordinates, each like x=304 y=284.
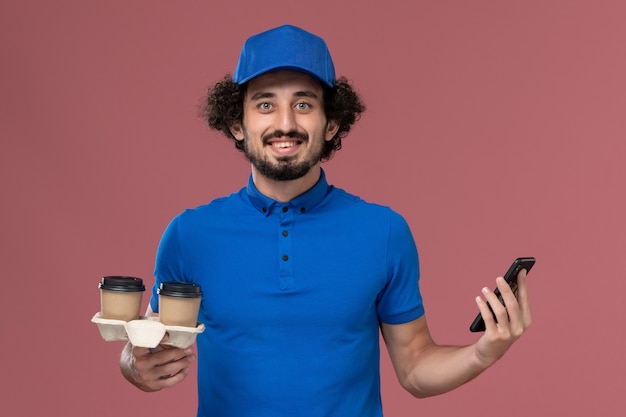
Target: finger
x=170 y=381
x=522 y=298
x=157 y=380
x=504 y=287
x=497 y=307
x=154 y=368
x=485 y=312
x=149 y=363
x=170 y=354
x=172 y=369
x=509 y=299
x=515 y=321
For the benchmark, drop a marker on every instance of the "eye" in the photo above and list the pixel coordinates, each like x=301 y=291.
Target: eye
x=303 y=106
x=265 y=105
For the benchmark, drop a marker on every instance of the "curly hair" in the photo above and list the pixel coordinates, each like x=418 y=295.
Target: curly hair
x=223 y=107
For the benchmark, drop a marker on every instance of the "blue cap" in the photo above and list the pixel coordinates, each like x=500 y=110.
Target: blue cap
x=285 y=47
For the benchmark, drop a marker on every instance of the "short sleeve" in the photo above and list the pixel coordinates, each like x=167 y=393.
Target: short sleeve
x=169 y=262
x=401 y=300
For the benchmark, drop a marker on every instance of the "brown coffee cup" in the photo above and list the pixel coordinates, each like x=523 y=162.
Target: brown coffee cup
x=179 y=303
x=120 y=297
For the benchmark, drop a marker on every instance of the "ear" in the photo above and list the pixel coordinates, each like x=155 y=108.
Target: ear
x=331 y=129
x=237 y=130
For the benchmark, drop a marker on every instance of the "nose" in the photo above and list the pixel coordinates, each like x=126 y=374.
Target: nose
x=286 y=119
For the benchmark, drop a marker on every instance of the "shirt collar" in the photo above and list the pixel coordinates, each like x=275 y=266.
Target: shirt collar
x=301 y=203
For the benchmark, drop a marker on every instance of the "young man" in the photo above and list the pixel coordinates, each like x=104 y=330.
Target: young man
x=298 y=276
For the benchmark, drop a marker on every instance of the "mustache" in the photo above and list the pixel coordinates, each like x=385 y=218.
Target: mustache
x=293 y=134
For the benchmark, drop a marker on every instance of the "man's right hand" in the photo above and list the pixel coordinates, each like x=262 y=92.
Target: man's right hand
x=154 y=369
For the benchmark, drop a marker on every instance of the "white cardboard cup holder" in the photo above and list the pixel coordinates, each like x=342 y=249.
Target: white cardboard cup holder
x=146 y=331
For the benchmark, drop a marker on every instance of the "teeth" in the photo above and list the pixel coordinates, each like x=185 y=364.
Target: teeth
x=284 y=144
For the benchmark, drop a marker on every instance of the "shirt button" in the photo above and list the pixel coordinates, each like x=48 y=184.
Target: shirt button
x=264 y=210
x=285 y=233
x=285 y=258
x=302 y=209
x=285 y=209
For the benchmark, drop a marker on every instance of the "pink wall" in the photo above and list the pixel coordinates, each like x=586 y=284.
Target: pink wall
x=496 y=128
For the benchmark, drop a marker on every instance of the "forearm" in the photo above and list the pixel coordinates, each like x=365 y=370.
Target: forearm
x=439 y=369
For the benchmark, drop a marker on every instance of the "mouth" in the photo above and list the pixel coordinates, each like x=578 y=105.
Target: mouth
x=284 y=144
x=284 y=140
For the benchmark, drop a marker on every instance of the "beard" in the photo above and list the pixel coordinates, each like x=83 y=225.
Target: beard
x=284 y=169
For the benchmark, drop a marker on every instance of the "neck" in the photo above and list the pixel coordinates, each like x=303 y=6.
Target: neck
x=285 y=191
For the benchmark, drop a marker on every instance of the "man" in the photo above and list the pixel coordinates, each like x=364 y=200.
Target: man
x=298 y=276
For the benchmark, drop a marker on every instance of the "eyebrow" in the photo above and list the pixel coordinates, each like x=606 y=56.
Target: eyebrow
x=264 y=94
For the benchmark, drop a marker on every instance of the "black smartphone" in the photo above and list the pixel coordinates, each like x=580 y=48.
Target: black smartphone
x=478 y=325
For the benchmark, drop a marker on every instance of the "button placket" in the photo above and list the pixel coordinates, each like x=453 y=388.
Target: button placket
x=285 y=247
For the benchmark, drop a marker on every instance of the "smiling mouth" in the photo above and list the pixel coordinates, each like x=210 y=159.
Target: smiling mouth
x=284 y=140
x=285 y=144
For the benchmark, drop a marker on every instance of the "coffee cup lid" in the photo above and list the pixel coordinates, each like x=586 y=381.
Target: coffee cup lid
x=180 y=289
x=121 y=283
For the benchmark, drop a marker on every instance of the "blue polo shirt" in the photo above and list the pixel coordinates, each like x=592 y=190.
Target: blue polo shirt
x=293 y=296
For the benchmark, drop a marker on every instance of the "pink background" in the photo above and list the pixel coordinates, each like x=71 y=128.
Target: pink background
x=497 y=128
